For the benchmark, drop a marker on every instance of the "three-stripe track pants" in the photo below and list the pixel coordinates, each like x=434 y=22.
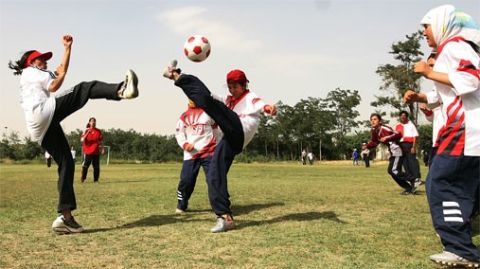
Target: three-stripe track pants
x=453 y=195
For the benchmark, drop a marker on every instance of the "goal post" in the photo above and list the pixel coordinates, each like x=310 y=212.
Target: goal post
x=108 y=153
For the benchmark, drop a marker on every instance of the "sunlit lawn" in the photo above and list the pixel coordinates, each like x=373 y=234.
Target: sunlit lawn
x=288 y=216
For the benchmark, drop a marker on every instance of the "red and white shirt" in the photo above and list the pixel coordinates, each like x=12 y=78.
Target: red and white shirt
x=197 y=128
x=248 y=108
x=391 y=139
x=460 y=133
x=408 y=131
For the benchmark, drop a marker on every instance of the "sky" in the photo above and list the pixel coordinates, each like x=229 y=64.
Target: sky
x=289 y=50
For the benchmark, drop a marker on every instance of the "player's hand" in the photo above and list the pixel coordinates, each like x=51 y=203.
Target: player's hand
x=382 y=139
x=413 y=150
x=409 y=96
x=424 y=108
x=188 y=147
x=422 y=68
x=67 y=41
x=269 y=109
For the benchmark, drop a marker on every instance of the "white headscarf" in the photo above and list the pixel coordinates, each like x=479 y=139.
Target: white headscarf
x=446 y=23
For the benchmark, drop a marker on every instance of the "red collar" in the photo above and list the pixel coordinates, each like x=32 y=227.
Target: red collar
x=453 y=39
x=232 y=101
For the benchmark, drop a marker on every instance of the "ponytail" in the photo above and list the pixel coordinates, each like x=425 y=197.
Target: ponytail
x=18 y=66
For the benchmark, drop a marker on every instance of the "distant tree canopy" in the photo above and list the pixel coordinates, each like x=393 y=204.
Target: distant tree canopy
x=397 y=79
x=320 y=125
x=131 y=145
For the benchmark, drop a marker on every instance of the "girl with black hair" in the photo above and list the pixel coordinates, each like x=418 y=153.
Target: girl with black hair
x=44 y=112
x=91 y=144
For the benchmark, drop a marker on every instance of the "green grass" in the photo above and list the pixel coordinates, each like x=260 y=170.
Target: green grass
x=288 y=216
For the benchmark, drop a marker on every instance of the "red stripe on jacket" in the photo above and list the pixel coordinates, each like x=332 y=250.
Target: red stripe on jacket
x=467 y=67
x=451 y=137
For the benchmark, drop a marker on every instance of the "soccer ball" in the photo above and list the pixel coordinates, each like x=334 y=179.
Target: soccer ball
x=197 y=48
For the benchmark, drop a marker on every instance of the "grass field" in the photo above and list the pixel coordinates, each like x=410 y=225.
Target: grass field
x=287 y=215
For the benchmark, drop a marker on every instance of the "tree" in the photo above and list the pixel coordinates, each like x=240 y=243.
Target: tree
x=12 y=147
x=314 y=121
x=6 y=149
x=425 y=137
x=30 y=149
x=342 y=105
x=397 y=79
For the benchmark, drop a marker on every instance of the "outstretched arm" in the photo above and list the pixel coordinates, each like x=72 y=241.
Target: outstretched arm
x=63 y=67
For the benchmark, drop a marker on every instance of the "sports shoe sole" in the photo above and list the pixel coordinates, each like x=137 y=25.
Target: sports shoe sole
x=463 y=264
x=64 y=230
x=168 y=70
x=134 y=81
x=180 y=211
x=222 y=230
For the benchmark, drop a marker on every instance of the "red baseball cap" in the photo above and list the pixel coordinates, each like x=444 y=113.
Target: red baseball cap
x=37 y=54
x=236 y=75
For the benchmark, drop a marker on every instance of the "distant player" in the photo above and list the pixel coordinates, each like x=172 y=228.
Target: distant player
x=92 y=139
x=390 y=138
x=197 y=134
x=365 y=155
x=304 y=157
x=44 y=112
x=311 y=158
x=48 y=159
x=238 y=116
x=355 y=156
x=74 y=154
x=408 y=143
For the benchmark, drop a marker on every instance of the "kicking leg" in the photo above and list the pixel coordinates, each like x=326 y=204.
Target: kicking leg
x=78 y=96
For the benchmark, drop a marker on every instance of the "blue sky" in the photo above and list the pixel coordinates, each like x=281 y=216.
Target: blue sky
x=289 y=50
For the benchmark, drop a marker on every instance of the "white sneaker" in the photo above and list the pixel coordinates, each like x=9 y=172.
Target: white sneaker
x=129 y=88
x=179 y=211
x=171 y=67
x=413 y=185
x=62 y=226
x=417 y=183
x=452 y=259
x=222 y=225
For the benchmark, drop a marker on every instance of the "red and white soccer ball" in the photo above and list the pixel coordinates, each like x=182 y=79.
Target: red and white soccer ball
x=197 y=48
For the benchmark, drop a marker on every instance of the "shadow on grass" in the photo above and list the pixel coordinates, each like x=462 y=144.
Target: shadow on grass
x=159 y=220
x=419 y=192
x=153 y=220
x=306 y=216
x=123 y=181
x=241 y=209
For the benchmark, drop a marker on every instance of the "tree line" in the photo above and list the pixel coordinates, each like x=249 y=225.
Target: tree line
x=313 y=123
